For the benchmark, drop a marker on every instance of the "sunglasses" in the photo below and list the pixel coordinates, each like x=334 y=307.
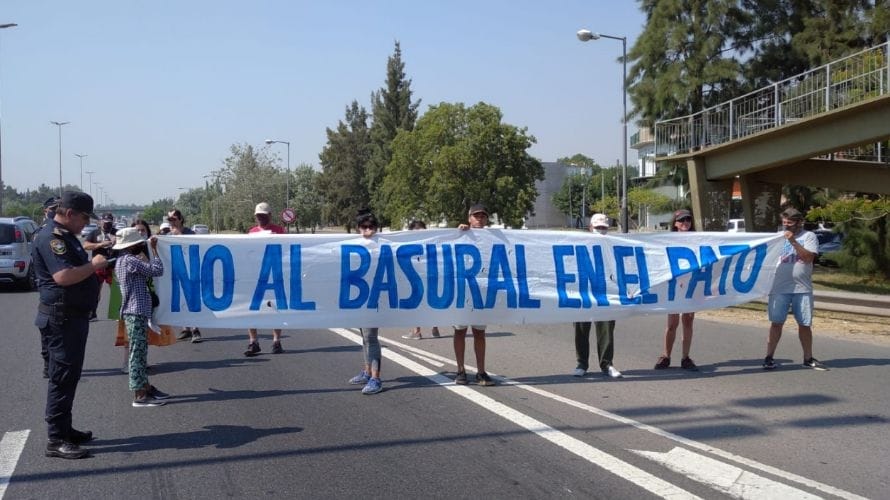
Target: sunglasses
x=367 y=226
x=684 y=219
x=172 y=219
x=480 y=215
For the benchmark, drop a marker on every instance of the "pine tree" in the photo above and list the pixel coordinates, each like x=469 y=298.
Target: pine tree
x=343 y=162
x=392 y=110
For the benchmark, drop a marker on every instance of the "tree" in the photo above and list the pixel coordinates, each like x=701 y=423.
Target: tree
x=579 y=160
x=681 y=62
x=457 y=156
x=248 y=176
x=343 y=162
x=391 y=110
x=308 y=202
x=865 y=221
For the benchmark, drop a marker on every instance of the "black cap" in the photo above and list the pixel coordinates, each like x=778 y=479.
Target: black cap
x=792 y=213
x=51 y=202
x=478 y=207
x=75 y=200
x=108 y=217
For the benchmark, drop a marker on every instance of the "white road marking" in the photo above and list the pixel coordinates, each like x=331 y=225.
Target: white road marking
x=11 y=447
x=669 y=435
x=724 y=477
x=595 y=456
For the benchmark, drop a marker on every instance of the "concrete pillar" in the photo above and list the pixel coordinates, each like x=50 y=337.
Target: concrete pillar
x=761 y=203
x=710 y=199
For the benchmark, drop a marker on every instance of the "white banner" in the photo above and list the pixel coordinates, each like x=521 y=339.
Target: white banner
x=451 y=277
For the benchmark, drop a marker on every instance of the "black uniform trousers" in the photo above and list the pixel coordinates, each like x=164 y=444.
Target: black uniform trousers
x=66 y=342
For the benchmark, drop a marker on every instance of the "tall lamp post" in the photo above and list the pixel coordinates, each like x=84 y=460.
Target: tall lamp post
x=81 y=168
x=59 y=124
x=90 y=185
x=2 y=26
x=586 y=36
x=287 y=181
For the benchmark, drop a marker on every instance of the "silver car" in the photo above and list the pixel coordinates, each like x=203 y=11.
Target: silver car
x=16 y=235
x=201 y=229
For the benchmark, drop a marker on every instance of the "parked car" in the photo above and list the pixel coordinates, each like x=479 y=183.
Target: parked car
x=736 y=226
x=88 y=229
x=201 y=229
x=15 y=252
x=829 y=241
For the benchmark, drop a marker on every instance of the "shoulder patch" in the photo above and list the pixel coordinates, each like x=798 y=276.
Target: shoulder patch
x=58 y=246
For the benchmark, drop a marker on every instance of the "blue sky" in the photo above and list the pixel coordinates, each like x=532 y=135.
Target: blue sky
x=157 y=92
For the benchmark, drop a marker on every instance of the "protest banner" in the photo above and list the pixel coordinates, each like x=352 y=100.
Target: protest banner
x=447 y=276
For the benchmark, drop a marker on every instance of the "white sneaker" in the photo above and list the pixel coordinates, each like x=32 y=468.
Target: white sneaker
x=579 y=372
x=614 y=372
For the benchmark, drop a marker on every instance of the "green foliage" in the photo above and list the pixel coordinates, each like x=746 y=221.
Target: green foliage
x=579 y=160
x=457 y=156
x=155 y=213
x=307 y=200
x=343 y=160
x=391 y=110
x=866 y=225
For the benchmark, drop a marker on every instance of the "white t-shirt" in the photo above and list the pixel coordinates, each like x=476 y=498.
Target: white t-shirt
x=793 y=274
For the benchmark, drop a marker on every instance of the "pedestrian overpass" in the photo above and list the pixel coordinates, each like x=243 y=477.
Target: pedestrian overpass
x=827 y=127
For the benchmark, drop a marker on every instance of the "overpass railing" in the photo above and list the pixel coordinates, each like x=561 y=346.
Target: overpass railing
x=835 y=85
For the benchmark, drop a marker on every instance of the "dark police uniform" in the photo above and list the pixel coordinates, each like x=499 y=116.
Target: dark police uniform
x=63 y=320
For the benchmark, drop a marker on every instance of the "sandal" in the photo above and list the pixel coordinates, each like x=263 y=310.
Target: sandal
x=412 y=336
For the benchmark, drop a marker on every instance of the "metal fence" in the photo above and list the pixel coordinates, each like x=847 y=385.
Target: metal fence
x=835 y=85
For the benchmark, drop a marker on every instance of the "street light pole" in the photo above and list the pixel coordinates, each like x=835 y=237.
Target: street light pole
x=59 y=124
x=586 y=36
x=287 y=181
x=2 y=26
x=81 y=168
x=90 y=173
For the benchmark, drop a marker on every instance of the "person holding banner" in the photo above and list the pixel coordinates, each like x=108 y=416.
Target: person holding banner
x=682 y=222
x=177 y=226
x=367 y=225
x=417 y=225
x=478 y=219
x=605 y=330
x=793 y=286
x=262 y=214
x=133 y=271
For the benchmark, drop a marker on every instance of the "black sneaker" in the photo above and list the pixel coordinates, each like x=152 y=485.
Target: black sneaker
x=483 y=379
x=662 y=363
x=147 y=401
x=687 y=364
x=276 y=348
x=156 y=393
x=461 y=378
x=65 y=449
x=815 y=364
x=769 y=364
x=80 y=437
x=196 y=336
x=253 y=349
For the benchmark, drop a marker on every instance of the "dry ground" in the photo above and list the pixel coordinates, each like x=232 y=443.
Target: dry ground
x=873 y=329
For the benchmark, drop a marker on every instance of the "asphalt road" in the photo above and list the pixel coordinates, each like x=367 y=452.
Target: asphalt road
x=288 y=426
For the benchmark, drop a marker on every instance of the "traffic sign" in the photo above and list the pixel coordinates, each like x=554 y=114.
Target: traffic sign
x=288 y=215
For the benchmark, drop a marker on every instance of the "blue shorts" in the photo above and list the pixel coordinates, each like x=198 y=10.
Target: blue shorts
x=801 y=305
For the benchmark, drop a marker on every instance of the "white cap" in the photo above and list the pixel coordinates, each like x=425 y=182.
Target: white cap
x=262 y=208
x=165 y=225
x=599 y=220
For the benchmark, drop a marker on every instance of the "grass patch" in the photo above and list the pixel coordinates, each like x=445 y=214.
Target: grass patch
x=834 y=279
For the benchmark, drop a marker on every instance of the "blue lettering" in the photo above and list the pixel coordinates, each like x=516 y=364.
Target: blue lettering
x=296 y=281
x=728 y=251
x=270 y=267
x=350 y=278
x=384 y=280
x=592 y=274
x=759 y=256
x=466 y=276
x=224 y=257
x=525 y=301
x=560 y=252
x=434 y=299
x=186 y=279
x=500 y=277
x=404 y=254
x=626 y=278
x=675 y=255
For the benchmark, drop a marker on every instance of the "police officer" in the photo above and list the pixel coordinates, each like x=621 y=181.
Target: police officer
x=67 y=284
x=49 y=211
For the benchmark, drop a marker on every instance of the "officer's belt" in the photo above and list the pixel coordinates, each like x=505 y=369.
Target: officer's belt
x=67 y=311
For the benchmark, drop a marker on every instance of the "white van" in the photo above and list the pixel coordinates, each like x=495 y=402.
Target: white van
x=736 y=226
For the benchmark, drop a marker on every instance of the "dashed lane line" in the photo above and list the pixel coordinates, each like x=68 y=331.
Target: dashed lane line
x=11 y=447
